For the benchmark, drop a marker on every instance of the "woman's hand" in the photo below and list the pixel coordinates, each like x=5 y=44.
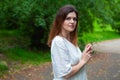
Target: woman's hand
x=86 y=54
x=85 y=58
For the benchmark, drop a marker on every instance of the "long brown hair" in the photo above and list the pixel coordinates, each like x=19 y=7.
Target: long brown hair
x=57 y=24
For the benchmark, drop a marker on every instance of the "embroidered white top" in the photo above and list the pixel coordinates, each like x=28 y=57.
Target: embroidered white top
x=64 y=54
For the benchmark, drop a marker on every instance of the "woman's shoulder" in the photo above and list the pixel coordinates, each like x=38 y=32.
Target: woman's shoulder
x=58 y=39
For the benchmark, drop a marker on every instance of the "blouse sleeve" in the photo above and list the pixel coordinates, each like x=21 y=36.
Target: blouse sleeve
x=60 y=59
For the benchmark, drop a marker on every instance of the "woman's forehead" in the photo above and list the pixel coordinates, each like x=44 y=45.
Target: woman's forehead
x=71 y=14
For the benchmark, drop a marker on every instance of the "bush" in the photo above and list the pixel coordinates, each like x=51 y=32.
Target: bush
x=3 y=67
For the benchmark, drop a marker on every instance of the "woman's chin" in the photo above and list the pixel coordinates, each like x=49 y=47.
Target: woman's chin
x=71 y=30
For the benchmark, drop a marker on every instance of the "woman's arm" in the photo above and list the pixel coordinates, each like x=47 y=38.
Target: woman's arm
x=85 y=58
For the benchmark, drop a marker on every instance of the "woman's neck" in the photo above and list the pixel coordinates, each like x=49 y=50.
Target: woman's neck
x=65 y=35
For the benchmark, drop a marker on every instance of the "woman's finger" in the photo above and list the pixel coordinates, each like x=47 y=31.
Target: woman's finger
x=88 y=55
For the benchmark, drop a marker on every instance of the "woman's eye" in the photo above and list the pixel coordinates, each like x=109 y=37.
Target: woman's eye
x=68 y=18
x=75 y=19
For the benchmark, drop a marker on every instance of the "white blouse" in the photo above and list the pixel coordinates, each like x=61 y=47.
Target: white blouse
x=64 y=55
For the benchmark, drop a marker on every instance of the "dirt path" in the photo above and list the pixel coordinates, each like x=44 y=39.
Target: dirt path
x=110 y=46
x=105 y=65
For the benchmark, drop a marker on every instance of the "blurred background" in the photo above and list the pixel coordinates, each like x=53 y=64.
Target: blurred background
x=25 y=25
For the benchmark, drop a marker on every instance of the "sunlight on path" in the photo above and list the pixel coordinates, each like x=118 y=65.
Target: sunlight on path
x=110 y=46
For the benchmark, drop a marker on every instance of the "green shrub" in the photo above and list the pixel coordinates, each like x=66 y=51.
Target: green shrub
x=3 y=67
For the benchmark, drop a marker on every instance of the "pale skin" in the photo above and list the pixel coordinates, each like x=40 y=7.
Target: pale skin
x=68 y=26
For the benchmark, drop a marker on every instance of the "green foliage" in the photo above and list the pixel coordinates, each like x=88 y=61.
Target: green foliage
x=107 y=12
x=12 y=38
x=3 y=67
x=33 y=18
x=24 y=56
x=116 y=9
x=99 y=36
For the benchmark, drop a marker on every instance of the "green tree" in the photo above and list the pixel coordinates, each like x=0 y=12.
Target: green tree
x=116 y=10
x=33 y=18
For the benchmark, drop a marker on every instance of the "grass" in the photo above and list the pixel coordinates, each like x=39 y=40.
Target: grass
x=8 y=33
x=99 y=36
x=26 y=56
x=9 y=46
x=20 y=58
x=16 y=57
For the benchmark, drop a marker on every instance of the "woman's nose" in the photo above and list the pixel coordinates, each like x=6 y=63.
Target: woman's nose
x=72 y=21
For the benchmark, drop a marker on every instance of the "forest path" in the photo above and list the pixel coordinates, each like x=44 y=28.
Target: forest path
x=105 y=65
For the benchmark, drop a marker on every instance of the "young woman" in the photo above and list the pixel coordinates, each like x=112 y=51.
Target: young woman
x=67 y=59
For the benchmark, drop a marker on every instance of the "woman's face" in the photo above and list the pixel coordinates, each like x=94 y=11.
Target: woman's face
x=70 y=22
